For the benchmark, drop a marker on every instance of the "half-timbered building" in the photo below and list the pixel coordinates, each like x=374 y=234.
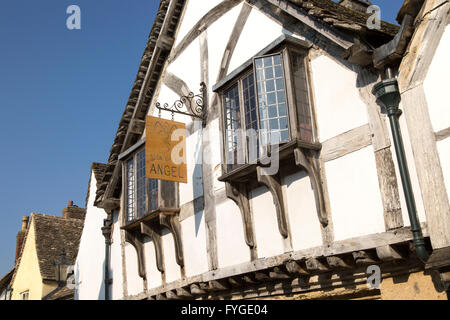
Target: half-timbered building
x=294 y=83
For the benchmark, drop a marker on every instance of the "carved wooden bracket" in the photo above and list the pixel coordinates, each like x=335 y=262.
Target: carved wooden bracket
x=135 y=239
x=274 y=185
x=149 y=229
x=307 y=163
x=238 y=193
x=172 y=222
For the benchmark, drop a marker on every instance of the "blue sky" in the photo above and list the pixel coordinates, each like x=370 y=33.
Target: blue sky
x=62 y=94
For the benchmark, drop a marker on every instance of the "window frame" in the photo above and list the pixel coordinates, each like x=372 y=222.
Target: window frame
x=287 y=47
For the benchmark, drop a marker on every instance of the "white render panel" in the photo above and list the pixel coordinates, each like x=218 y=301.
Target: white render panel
x=187 y=66
x=153 y=275
x=436 y=84
x=444 y=156
x=355 y=198
x=194 y=244
x=116 y=261
x=339 y=107
x=302 y=213
x=259 y=31
x=89 y=266
x=222 y=27
x=172 y=269
x=135 y=284
x=194 y=11
x=231 y=246
x=269 y=241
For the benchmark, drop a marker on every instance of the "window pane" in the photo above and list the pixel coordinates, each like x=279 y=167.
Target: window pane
x=140 y=183
x=232 y=115
x=302 y=97
x=251 y=124
x=272 y=104
x=152 y=193
x=130 y=189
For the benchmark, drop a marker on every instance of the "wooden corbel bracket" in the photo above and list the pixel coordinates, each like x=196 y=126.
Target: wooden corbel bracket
x=237 y=191
x=171 y=220
x=307 y=163
x=135 y=239
x=274 y=185
x=151 y=230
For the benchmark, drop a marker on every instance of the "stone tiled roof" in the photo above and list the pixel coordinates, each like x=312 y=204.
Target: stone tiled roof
x=53 y=235
x=6 y=280
x=60 y=293
x=341 y=17
x=98 y=169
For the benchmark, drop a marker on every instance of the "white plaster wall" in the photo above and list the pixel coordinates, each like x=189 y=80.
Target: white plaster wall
x=302 y=213
x=135 y=283
x=116 y=261
x=153 y=275
x=436 y=85
x=444 y=156
x=231 y=246
x=187 y=66
x=222 y=27
x=194 y=244
x=194 y=11
x=172 y=269
x=258 y=33
x=355 y=198
x=339 y=107
x=89 y=265
x=269 y=241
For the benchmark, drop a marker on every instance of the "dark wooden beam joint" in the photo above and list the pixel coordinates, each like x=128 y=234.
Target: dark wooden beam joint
x=135 y=239
x=150 y=230
x=307 y=162
x=274 y=185
x=238 y=193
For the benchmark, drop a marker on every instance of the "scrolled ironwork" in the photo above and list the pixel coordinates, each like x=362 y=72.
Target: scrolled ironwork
x=190 y=105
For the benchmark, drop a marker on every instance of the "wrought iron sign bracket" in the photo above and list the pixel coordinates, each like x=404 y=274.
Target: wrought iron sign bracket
x=194 y=105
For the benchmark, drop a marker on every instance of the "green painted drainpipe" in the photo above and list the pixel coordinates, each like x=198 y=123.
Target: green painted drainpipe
x=388 y=93
x=106 y=230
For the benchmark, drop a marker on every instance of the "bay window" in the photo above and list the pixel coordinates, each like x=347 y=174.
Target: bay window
x=266 y=102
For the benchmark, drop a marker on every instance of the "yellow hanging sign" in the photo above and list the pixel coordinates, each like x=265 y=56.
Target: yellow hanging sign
x=165 y=150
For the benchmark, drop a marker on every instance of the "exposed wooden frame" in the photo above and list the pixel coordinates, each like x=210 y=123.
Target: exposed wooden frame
x=310 y=165
x=238 y=193
x=149 y=230
x=273 y=183
x=202 y=25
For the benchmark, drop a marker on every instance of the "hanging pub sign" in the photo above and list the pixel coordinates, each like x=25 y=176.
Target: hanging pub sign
x=165 y=150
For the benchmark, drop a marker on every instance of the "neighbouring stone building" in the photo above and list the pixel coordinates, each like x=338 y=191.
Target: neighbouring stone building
x=46 y=241
x=305 y=75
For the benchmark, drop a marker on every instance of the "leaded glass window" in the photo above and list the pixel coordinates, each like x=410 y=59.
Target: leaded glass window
x=141 y=192
x=232 y=115
x=272 y=100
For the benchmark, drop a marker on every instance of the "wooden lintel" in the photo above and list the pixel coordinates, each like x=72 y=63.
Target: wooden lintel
x=137 y=126
x=389 y=253
x=342 y=262
x=364 y=258
x=315 y=265
x=294 y=267
x=195 y=289
x=183 y=293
